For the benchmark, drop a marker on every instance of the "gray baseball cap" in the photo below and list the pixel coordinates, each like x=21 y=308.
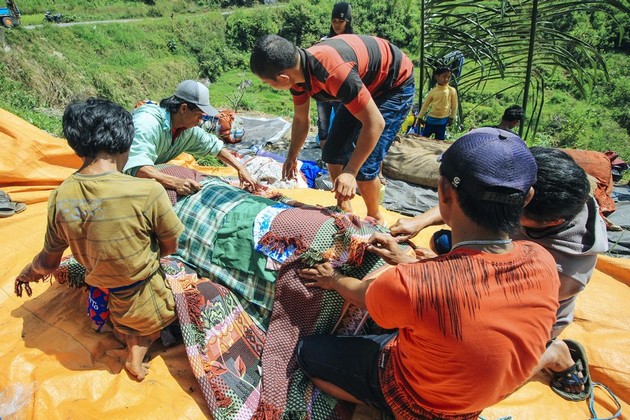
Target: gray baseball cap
x=196 y=93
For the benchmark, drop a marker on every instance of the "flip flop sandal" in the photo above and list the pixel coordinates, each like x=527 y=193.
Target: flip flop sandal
x=569 y=377
x=8 y=207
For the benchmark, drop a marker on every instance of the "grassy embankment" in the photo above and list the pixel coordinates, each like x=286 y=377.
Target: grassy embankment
x=42 y=69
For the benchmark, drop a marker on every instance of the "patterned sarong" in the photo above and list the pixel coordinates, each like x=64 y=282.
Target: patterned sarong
x=222 y=342
x=244 y=319
x=299 y=311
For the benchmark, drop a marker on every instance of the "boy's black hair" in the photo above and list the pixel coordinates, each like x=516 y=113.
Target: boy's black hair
x=513 y=113
x=173 y=103
x=493 y=216
x=561 y=188
x=442 y=70
x=97 y=125
x=271 y=55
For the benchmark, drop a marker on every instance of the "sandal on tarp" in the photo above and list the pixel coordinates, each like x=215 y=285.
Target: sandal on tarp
x=569 y=377
x=8 y=207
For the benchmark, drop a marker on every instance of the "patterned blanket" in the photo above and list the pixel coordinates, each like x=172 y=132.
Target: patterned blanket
x=222 y=342
x=253 y=246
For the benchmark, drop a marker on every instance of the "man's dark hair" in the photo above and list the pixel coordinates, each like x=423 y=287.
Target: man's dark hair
x=513 y=113
x=271 y=55
x=561 y=188
x=97 y=125
x=493 y=216
x=173 y=103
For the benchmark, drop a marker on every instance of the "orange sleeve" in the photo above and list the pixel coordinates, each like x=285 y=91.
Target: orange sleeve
x=300 y=96
x=387 y=300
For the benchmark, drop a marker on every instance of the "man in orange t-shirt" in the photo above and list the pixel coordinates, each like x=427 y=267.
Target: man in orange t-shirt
x=469 y=326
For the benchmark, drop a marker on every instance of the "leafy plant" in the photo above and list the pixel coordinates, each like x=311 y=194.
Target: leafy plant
x=243 y=28
x=512 y=40
x=236 y=99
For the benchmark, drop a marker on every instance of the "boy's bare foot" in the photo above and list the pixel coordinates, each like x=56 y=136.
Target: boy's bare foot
x=137 y=347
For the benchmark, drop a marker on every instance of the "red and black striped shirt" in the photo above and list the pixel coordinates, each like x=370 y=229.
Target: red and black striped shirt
x=351 y=69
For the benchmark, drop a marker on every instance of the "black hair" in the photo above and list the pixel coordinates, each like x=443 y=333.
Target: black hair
x=441 y=70
x=97 y=125
x=173 y=103
x=513 y=113
x=561 y=187
x=348 y=30
x=491 y=215
x=271 y=55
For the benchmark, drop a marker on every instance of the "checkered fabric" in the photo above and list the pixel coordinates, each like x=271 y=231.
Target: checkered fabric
x=203 y=215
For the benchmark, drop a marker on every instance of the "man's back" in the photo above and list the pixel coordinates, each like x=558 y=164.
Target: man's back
x=472 y=325
x=111 y=222
x=337 y=68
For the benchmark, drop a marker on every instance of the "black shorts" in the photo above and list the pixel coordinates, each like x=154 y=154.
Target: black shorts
x=350 y=362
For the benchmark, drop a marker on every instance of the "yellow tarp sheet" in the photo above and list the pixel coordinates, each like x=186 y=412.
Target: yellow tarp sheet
x=53 y=366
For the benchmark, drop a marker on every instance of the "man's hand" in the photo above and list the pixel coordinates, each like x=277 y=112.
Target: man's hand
x=289 y=169
x=345 y=187
x=386 y=247
x=424 y=253
x=321 y=275
x=187 y=186
x=422 y=121
x=450 y=121
x=246 y=179
x=404 y=229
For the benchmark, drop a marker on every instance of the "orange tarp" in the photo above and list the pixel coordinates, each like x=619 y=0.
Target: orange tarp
x=53 y=365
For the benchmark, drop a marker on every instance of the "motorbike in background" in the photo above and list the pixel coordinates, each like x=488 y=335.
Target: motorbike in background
x=53 y=17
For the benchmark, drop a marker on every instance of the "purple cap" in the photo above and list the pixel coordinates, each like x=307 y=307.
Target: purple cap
x=491 y=164
x=196 y=93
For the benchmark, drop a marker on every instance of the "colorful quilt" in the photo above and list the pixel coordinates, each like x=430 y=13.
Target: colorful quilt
x=218 y=244
x=230 y=238
x=222 y=342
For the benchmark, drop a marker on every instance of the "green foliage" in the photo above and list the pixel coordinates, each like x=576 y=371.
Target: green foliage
x=209 y=160
x=243 y=27
x=18 y=100
x=304 y=22
x=614 y=94
x=396 y=20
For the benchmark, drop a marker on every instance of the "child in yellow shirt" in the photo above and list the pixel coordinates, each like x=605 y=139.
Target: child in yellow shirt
x=442 y=100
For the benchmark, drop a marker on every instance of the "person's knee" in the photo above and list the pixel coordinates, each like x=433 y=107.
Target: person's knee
x=303 y=355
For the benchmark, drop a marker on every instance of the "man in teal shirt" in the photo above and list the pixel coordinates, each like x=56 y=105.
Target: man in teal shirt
x=163 y=132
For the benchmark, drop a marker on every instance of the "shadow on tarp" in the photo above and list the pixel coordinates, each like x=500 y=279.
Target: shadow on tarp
x=56 y=323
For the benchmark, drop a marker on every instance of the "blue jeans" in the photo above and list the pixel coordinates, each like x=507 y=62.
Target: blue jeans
x=350 y=362
x=437 y=126
x=342 y=137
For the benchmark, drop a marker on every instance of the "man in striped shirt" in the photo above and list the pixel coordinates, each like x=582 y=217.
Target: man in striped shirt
x=374 y=81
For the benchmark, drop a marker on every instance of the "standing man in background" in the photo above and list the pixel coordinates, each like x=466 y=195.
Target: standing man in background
x=372 y=78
